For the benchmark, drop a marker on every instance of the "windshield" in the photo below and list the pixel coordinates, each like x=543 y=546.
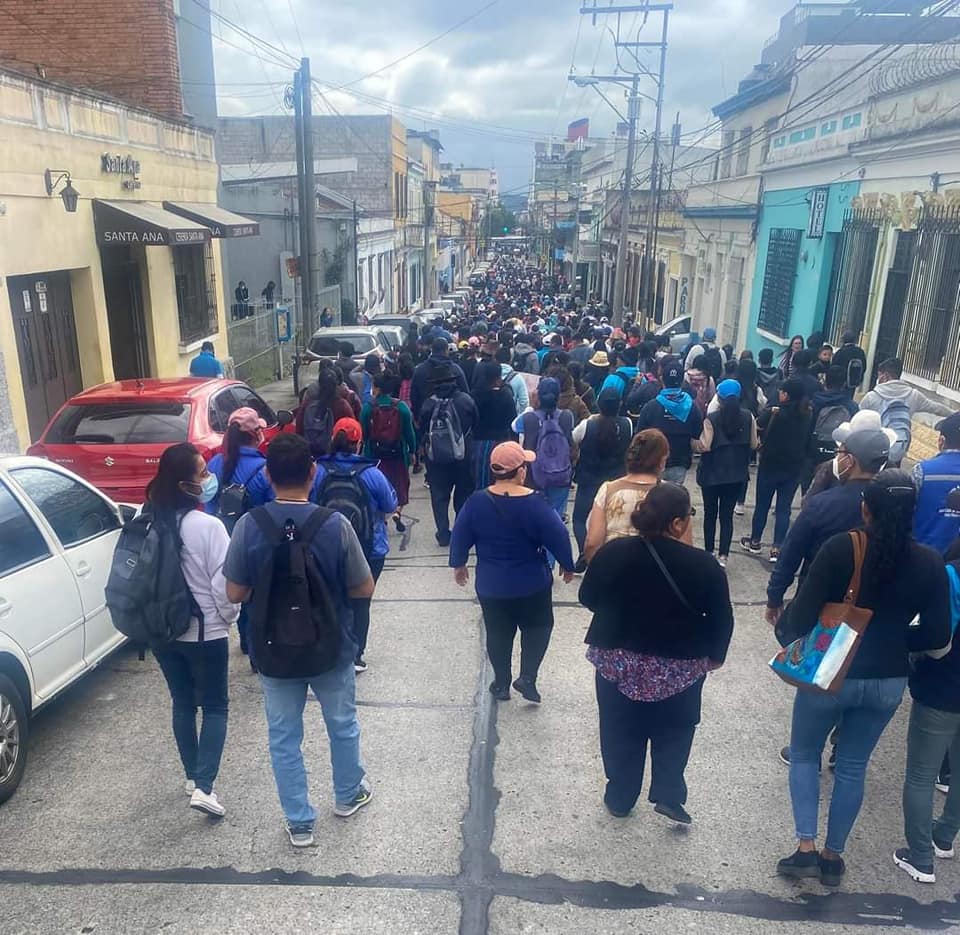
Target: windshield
x=131 y=422
x=328 y=346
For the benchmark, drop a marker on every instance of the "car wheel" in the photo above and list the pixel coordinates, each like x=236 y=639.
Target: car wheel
x=13 y=738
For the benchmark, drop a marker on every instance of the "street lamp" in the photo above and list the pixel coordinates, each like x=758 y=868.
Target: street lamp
x=69 y=195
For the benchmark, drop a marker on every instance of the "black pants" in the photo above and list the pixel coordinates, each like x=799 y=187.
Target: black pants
x=719 y=500
x=533 y=615
x=626 y=727
x=444 y=480
x=361 y=609
x=582 y=504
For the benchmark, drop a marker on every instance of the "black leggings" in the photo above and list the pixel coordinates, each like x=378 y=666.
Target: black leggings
x=719 y=499
x=502 y=616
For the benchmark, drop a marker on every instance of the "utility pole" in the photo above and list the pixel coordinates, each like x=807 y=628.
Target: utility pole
x=356 y=263
x=553 y=234
x=303 y=213
x=428 y=192
x=620 y=271
x=576 y=230
x=654 y=265
x=654 y=173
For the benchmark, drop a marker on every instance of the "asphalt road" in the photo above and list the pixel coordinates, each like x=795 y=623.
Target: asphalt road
x=485 y=818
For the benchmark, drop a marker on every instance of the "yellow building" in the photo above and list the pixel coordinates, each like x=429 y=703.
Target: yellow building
x=109 y=248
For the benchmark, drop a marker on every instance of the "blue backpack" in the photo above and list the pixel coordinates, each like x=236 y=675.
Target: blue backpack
x=553 y=467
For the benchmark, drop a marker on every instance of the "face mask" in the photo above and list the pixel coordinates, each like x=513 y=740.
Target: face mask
x=208 y=489
x=837 y=472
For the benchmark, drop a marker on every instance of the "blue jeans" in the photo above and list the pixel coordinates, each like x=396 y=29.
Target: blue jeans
x=767 y=486
x=675 y=475
x=285 y=700
x=196 y=674
x=865 y=707
x=557 y=498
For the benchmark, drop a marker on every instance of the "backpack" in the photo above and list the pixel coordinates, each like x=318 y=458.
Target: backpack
x=232 y=502
x=553 y=467
x=148 y=597
x=854 y=375
x=386 y=433
x=828 y=419
x=895 y=415
x=294 y=630
x=445 y=441
x=343 y=492
x=714 y=363
x=318 y=428
x=520 y=360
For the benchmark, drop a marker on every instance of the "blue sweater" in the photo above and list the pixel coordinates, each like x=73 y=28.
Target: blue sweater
x=509 y=534
x=249 y=472
x=934 y=523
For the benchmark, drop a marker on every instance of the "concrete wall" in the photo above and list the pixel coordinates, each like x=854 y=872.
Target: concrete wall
x=195 y=46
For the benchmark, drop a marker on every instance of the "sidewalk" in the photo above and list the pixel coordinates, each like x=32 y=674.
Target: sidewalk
x=279 y=394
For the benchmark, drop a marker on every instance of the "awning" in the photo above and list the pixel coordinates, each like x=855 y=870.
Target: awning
x=139 y=222
x=222 y=223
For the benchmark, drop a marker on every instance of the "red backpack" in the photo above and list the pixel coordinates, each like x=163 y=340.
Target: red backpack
x=386 y=431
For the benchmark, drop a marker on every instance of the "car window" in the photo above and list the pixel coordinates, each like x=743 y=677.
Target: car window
x=133 y=422
x=21 y=543
x=329 y=346
x=221 y=406
x=75 y=512
x=246 y=397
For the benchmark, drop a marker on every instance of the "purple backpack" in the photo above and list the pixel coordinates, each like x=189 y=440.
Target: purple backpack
x=553 y=467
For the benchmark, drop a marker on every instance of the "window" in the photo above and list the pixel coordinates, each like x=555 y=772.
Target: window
x=769 y=129
x=809 y=133
x=851 y=121
x=196 y=305
x=75 y=512
x=21 y=543
x=133 y=422
x=743 y=152
x=829 y=127
x=371 y=295
x=324 y=346
x=726 y=153
x=780 y=142
x=796 y=137
x=246 y=397
x=779 y=277
x=221 y=408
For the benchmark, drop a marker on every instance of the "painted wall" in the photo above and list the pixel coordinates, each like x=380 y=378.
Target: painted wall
x=790 y=208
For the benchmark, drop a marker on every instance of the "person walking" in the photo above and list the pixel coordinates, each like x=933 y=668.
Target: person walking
x=426 y=373
x=785 y=433
x=448 y=418
x=390 y=440
x=785 y=362
x=651 y=666
x=342 y=575
x=702 y=385
x=513 y=529
x=195 y=665
x=362 y=377
x=321 y=407
x=602 y=440
x=496 y=410
x=852 y=361
x=357 y=486
x=729 y=436
x=905 y=586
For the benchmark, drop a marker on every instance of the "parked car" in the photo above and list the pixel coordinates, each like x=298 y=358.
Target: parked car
x=375 y=338
x=57 y=536
x=400 y=321
x=678 y=330
x=113 y=435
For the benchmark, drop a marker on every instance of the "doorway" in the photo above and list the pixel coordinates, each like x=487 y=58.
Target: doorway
x=46 y=334
x=128 y=328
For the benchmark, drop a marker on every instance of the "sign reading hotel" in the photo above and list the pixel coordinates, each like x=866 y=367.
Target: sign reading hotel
x=818 y=212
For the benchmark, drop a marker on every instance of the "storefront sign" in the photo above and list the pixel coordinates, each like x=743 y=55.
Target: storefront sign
x=818 y=212
x=27 y=301
x=115 y=164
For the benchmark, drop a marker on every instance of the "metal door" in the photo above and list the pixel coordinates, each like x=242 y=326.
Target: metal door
x=894 y=301
x=46 y=335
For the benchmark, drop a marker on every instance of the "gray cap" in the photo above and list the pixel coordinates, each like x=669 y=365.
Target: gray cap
x=868 y=446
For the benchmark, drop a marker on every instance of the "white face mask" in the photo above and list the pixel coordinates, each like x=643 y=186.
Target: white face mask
x=837 y=472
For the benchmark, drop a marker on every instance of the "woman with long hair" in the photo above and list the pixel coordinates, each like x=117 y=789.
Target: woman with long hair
x=496 y=410
x=729 y=435
x=785 y=362
x=583 y=389
x=603 y=440
x=323 y=404
x=905 y=586
x=195 y=664
x=651 y=665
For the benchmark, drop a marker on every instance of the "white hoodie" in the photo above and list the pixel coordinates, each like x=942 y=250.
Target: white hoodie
x=916 y=401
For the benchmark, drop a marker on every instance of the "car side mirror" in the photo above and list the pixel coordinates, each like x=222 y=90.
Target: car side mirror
x=284 y=417
x=127 y=512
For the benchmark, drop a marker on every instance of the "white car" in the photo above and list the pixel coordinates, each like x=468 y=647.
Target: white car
x=57 y=536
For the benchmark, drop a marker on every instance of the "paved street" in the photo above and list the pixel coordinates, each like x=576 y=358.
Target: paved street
x=484 y=819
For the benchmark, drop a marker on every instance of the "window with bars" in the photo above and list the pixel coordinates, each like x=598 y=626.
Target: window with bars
x=743 y=151
x=779 y=278
x=196 y=292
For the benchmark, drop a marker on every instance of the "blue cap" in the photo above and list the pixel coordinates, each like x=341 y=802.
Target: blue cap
x=709 y=334
x=728 y=389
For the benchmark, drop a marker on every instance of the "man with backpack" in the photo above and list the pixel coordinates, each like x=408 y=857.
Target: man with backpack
x=424 y=375
x=321 y=408
x=362 y=377
x=447 y=419
x=625 y=374
x=716 y=358
x=674 y=414
x=852 y=361
x=300 y=566
x=897 y=402
x=831 y=408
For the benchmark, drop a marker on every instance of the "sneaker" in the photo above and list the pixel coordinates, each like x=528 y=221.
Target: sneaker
x=418 y=468
x=363 y=797
x=203 y=802
x=400 y=525
x=360 y=665
x=747 y=543
x=675 y=813
x=738 y=509
x=941 y=786
x=443 y=539
x=188 y=786
x=942 y=849
x=300 y=835
x=581 y=566
x=800 y=865
x=784 y=755
x=904 y=860
x=722 y=561
x=774 y=555
x=528 y=689
x=832 y=871
x=500 y=692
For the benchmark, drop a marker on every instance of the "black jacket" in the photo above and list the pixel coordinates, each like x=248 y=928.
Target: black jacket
x=936 y=682
x=462 y=402
x=423 y=374
x=728 y=460
x=679 y=434
x=785 y=439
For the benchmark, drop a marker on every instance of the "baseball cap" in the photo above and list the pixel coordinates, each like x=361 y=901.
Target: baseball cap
x=508 y=456
x=350 y=428
x=728 y=388
x=247 y=420
x=868 y=446
x=864 y=419
x=949 y=428
x=709 y=334
x=672 y=375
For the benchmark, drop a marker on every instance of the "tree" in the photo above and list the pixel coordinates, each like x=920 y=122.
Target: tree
x=500 y=221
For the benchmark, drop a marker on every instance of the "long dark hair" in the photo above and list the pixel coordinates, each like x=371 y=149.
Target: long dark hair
x=487 y=376
x=891 y=498
x=177 y=464
x=747 y=378
x=729 y=417
x=606 y=424
x=233 y=440
x=327 y=388
x=664 y=504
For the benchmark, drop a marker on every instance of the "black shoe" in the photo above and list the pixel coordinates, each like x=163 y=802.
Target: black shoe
x=418 y=468
x=675 y=813
x=581 y=566
x=359 y=665
x=747 y=543
x=400 y=524
x=500 y=692
x=904 y=860
x=443 y=539
x=800 y=864
x=616 y=812
x=832 y=871
x=528 y=689
x=784 y=755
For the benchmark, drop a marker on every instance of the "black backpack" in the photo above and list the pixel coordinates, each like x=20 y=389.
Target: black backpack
x=343 y=492
x=294 y=630
x=318 y=428
x=232 y=503
x=714 y=363
x=147 y=595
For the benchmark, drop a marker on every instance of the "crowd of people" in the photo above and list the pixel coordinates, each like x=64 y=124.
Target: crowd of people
x=507 y=407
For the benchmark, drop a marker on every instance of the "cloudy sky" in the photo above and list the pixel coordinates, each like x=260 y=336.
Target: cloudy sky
x=493 y=85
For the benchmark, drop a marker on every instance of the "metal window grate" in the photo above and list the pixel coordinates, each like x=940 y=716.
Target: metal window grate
x=196 y=292
x=779 y=278
x=852 y=274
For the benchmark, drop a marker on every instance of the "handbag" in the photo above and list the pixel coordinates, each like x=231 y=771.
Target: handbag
x=669 y=578
x=820 y=660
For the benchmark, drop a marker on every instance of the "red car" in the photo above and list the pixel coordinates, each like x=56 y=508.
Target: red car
x=113 y=435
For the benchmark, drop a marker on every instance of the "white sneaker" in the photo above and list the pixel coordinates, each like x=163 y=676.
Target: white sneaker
x=188 y=786
x=738 y=509
x=207 y=803
x=722 y=561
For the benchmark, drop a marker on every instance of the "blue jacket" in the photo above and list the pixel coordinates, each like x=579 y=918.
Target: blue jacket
x=249 y=472
x=933 y=523
x=205 y=364
x=833 y=511
x=383 y=498
x=613 y=382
